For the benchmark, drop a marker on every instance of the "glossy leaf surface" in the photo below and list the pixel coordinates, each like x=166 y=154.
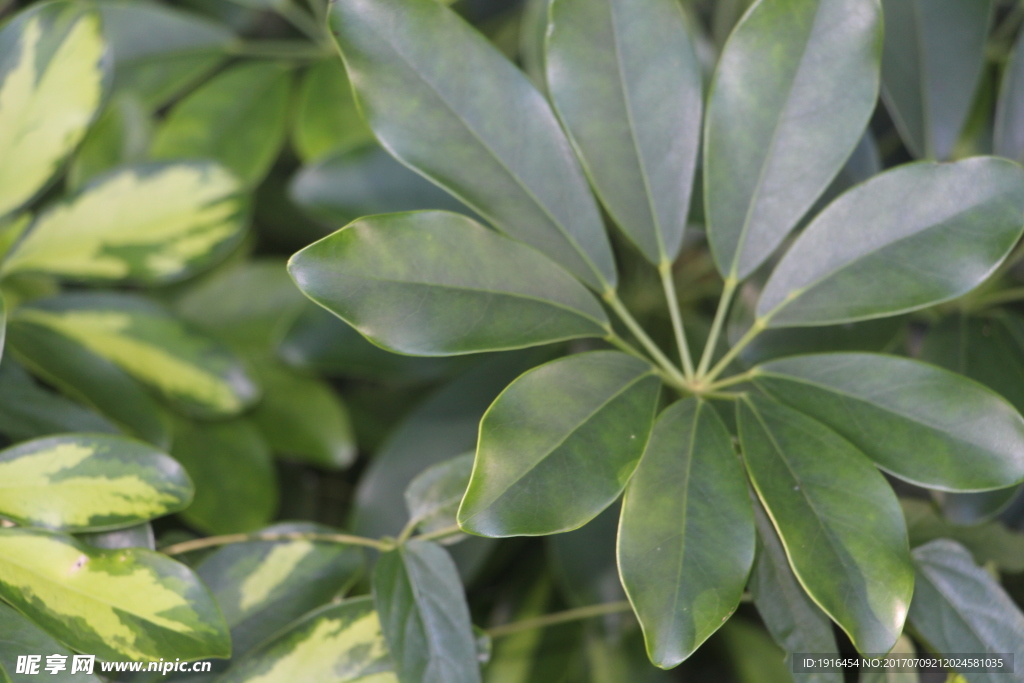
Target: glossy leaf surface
x=686 y=535
x=443 y=100
x=576 y=424
x=437 y=283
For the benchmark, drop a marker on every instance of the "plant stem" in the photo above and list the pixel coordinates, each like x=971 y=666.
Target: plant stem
x=213 y=541
x=662 y=361
x=440 y=533
x=668 y=283
x=559 y=618
x=751 y=334
x=278 y=49
x=1004 y=297
x=304 y=22
x=731 y=381
x=716 y=327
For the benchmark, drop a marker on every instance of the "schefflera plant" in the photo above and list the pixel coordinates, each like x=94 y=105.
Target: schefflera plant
x=791 y=97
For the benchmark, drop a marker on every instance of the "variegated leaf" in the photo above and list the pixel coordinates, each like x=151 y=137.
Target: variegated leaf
x=18 y=637
x=146 y=223
x=85 y=482
x=193 y=372
x=53 y=73
x=117 y=604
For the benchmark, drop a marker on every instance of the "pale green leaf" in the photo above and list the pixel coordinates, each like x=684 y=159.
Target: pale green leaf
x=433 y=497
x=327 y=119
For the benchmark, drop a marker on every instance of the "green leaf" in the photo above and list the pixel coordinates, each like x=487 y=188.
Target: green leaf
x=339 y=643
x=904 y=648
x=626 y=83
x=18 y=637
x=121 y=135
x=795 y=622
x=989 y=542
x=262 y=586
x=794 y=89
x=686 y=537
x=437 y=283
x=1009 y=124
x=837 y=517
x=584 y=565
x=193 y=372
x=117 y=604
x=578 y=424
x=327 y=119
x=934 y=56
x=433 y=497
x=53 y=73
x=87 y=377
x=89 y=482
x=963 y=220
x=303 y=418
x=424 y=616
x=959 y=607
x=237 y=118
x=231 y=466
x=442 y=99
x=3 y=324
x=144 y=224
x=752 y=654
x=138 y=536
x=921 y=423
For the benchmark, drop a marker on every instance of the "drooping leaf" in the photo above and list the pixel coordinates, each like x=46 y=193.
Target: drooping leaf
x=792 y=94
x=53 y=73
x=959 y=607
x=138 y=536
x=837 y=518
x=18 y=637
x=934 y=55
x=424 y=616
x=437 y=283
x=919 y=422
x=989 y=542
x=338 y=643
x=232 y=469
x=433 y=497
x=117 y=604
x=625 y=80
x=441 y=98
x=262 y=586
x=89 y=482
x=237 y=118
x=794 y=621
x=121 y=135
x=686 y=536
x=144 y=224
x=1008 y=137
x=192 y=371
x=873 y=253
x=576 y=424
x=326 y=117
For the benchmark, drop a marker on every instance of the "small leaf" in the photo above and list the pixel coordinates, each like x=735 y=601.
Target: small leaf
x=837 y=517
x=118 y=604
x=921 y=423
x=1009 y=124
x=144 y=224
x=626 y=83
x=237 y=118
x=437 y=283
x=138 y=536
x=959 y=607
x=18 y=637
x=339 y=643
x=262 y=586
x=53 y=73
x=433 y=497
x=792 y=94
x=559 y=444
x=445 y=102
x=424 y=616
x=89 y=482
x=871 y=253
x=686 y=537
x=327 y=119
x=192 y=371
x=989 y=542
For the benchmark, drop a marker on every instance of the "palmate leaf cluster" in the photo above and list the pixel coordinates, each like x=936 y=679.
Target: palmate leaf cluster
x=716 y=297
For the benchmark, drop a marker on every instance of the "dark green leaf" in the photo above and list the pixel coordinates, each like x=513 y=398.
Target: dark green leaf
x=793 y=92
x=262 y=586
x=919 y=422
x=934 y=55
x=626 y=83
x=424 y=616
x=686 y=539
x=578 y=424
x=437 y=283
x=18 y=637
x=974 y=508
x=1009 y=125
x=871 y=253
x=237 y=118
x=442 y=99
x=326 y=117
x=752 y=654
x=120 y=136
x=959 y=607
x=583 y=562
x=837 y=517
x=117 y=604
x=138 y=536
x=433 y=497
x=988 y=542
